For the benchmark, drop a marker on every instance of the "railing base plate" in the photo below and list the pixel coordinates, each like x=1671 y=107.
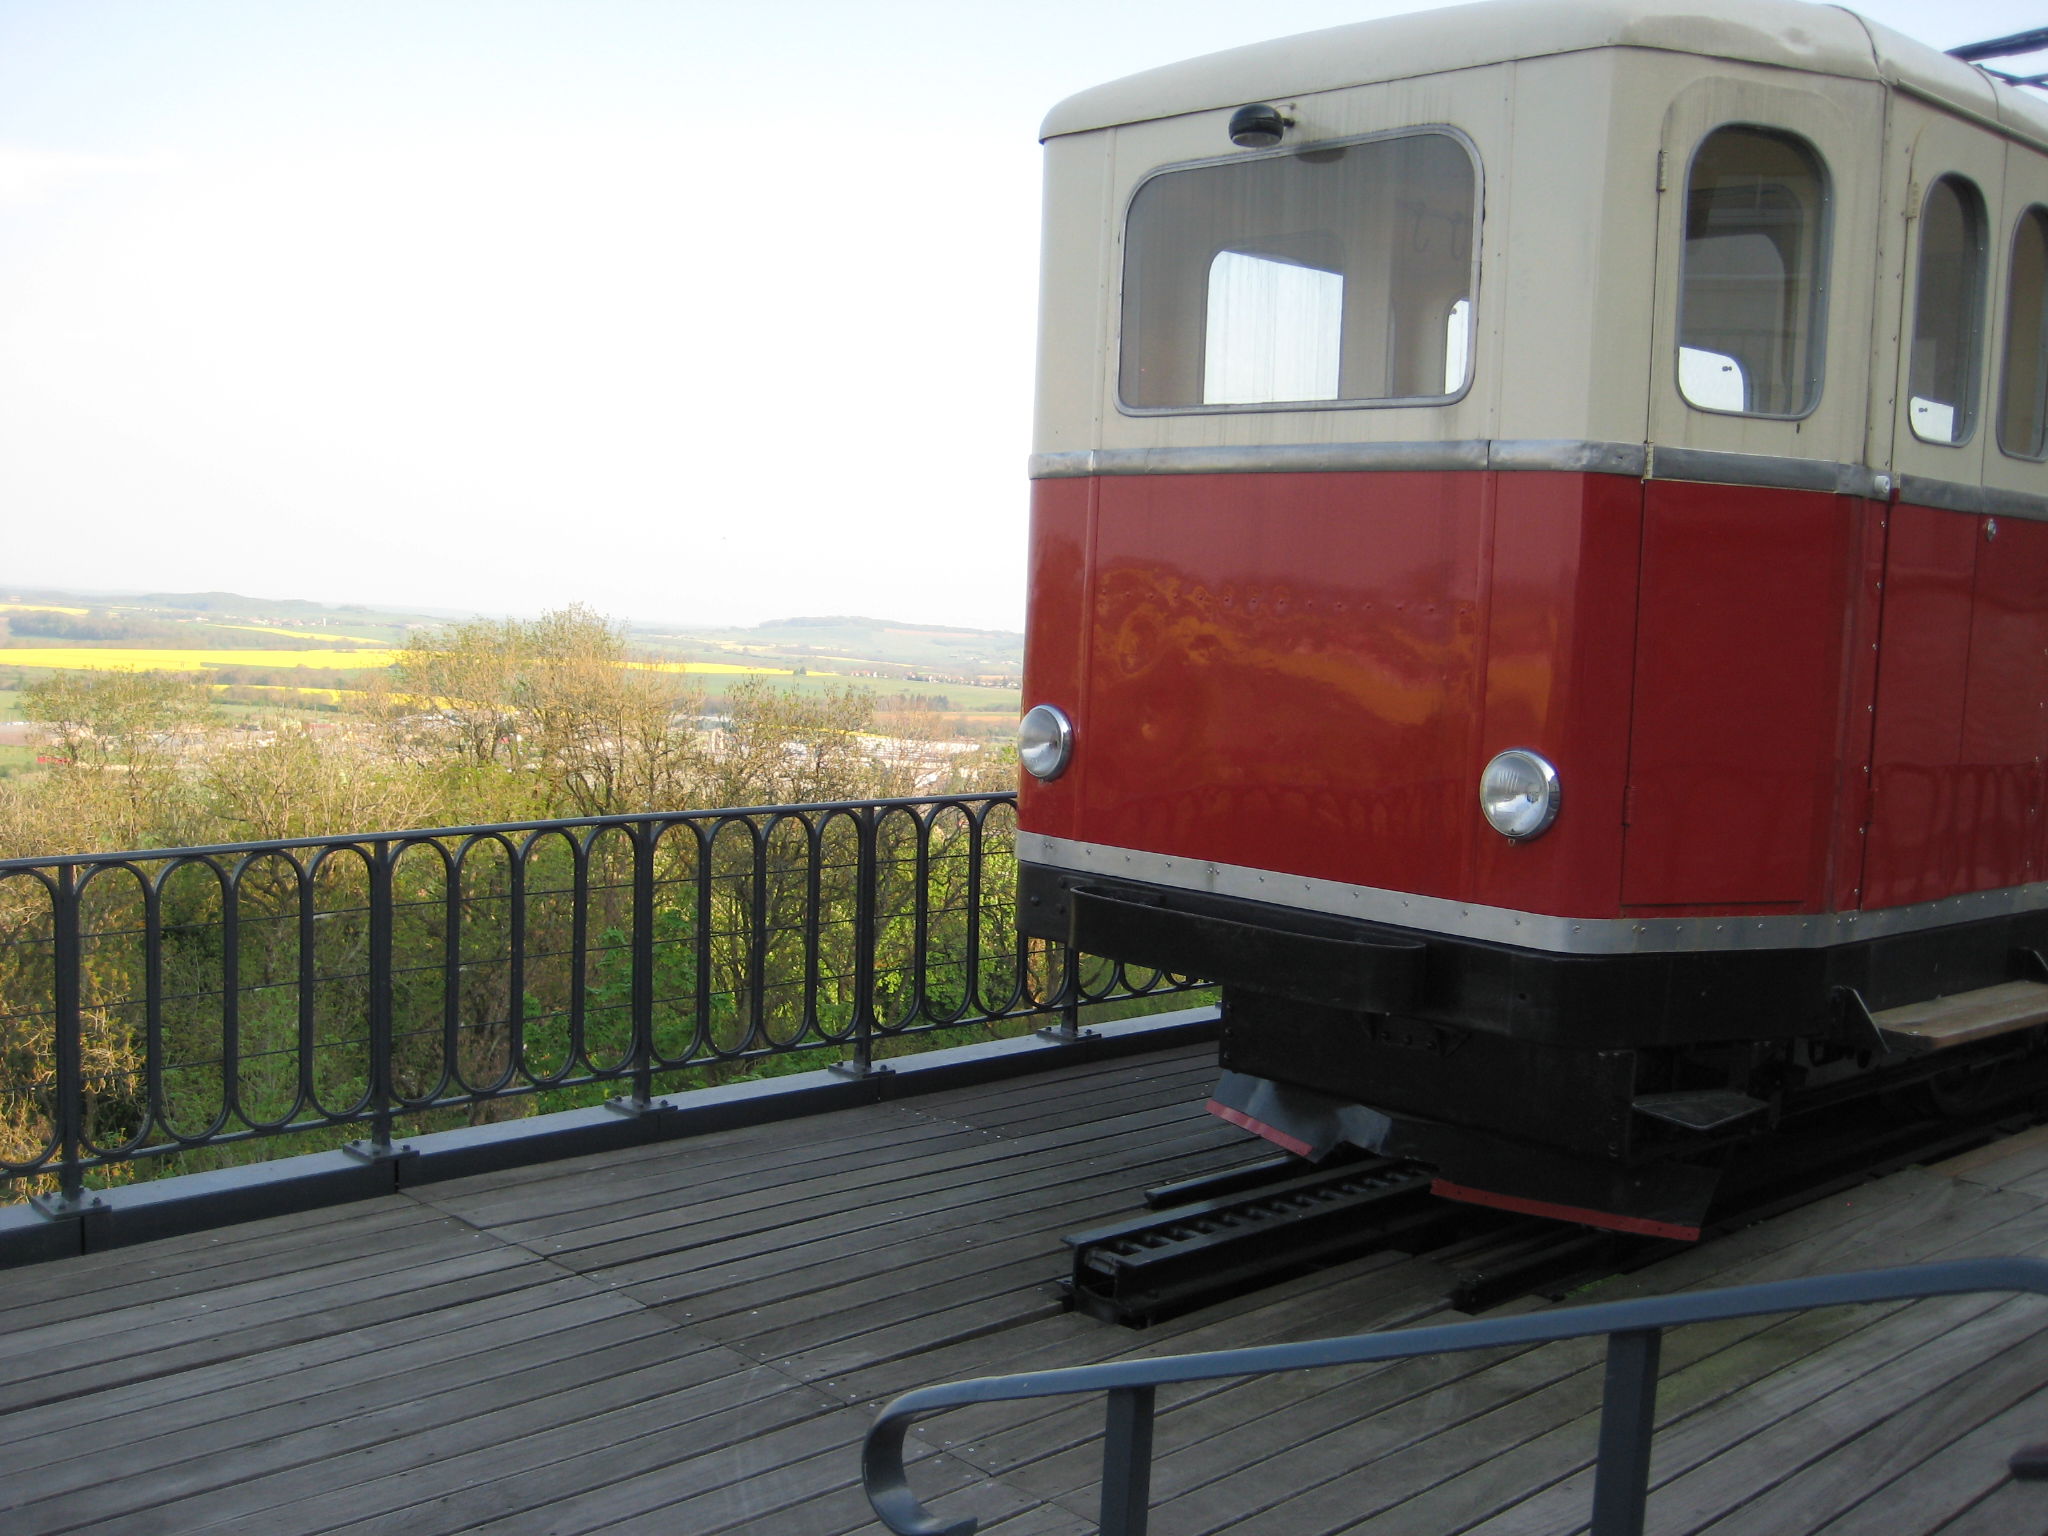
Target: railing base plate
x=61 y=1208
x=637 y=1107
x=1060 y=1035
x=857 y=1072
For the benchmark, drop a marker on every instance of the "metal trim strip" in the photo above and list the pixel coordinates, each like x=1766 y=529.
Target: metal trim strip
x=1568 y=455
x=1582 y=457
x=1292 y=458
x=1772 y=470
x=1985 y=500
x=1525 y=930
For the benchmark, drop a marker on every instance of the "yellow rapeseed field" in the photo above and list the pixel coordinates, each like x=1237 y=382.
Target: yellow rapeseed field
x=41 y=608
x=139 y=659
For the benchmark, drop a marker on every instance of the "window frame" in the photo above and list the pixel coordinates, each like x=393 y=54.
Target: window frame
x=1976 y=208
x=1821 y=306
x=2028 y=211
x=1122 y=259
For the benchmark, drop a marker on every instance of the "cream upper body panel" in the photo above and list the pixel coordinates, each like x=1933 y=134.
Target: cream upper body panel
x=1569 y=150
x=1781 y=33
x=1582 y=121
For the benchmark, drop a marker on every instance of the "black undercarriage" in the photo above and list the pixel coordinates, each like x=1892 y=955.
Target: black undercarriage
x=1601 y=1086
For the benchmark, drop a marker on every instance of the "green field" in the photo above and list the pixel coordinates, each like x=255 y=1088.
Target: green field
x=850 y=644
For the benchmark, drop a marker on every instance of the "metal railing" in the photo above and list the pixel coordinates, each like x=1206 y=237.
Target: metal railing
x=158 y=1001
x=1634 y=1332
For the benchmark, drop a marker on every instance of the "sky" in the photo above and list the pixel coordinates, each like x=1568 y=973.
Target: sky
x=688 y=310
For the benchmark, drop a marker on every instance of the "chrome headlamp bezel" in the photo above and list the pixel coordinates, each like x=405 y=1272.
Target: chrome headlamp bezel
x=1519 y=794
x=1045 y=741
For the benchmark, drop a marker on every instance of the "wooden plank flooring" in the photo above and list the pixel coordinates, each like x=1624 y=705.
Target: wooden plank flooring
x=692 y=1338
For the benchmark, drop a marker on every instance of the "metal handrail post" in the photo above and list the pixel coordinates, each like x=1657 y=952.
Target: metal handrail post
x=1628 y=1409
x=1127 y=1461
x=383 y=858
x=1068 y=998
x=642 y=1097
x=69 y=1026
x=866 y=897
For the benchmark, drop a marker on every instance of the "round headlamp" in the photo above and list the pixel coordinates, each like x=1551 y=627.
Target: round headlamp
x=1518 y=794
x=1045 y=741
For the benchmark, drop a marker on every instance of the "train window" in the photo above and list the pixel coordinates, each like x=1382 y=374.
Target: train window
x=1338 y=274
x=2023 y=398
x=1948 y=299
x=1750 y=304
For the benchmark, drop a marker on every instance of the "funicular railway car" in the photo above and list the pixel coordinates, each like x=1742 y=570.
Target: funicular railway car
x=1539 y=579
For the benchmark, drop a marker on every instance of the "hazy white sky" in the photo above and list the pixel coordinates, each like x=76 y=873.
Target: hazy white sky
x=686 y=309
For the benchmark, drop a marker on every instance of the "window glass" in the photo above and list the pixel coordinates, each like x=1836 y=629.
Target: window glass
x=1948 y=300
x=1712 y=379
x=1332 y=274
x=1457 y=345
x=2023 y=401
x=1272 y=331
x=1750 y=305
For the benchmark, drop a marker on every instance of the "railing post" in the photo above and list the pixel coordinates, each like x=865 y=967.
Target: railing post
x=1621 y=1476
x=1069 y=995
x=1127 y=1462
x=866 y=898
x=641 y=1099
x=378 y=1148
x=67 y=1030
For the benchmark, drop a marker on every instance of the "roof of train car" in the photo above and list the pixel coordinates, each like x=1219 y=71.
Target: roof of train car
x=1790 y=34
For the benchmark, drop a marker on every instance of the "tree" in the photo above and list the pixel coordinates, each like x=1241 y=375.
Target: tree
x=559 y=700
x=777 y=746
x=101 y=720
x=293 y=783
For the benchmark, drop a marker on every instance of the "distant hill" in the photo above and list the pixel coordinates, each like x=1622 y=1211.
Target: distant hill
x=882 y=651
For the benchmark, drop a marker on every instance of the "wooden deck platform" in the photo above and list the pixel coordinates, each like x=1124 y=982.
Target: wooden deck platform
x=690 y=1338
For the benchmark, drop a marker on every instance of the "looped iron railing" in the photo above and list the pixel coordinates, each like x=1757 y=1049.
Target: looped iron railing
x=158 y=1001
x=1634 y=1329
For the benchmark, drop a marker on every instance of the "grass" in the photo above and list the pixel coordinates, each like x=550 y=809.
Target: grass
x=969 y=698
x=295 y=634
x=140 y=659
x=720 y=668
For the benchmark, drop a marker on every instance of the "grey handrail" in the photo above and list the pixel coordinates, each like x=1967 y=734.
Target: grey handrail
x=1634 y=1329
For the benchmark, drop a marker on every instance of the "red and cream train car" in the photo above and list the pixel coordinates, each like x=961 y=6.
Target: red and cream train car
x=1539 y=576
